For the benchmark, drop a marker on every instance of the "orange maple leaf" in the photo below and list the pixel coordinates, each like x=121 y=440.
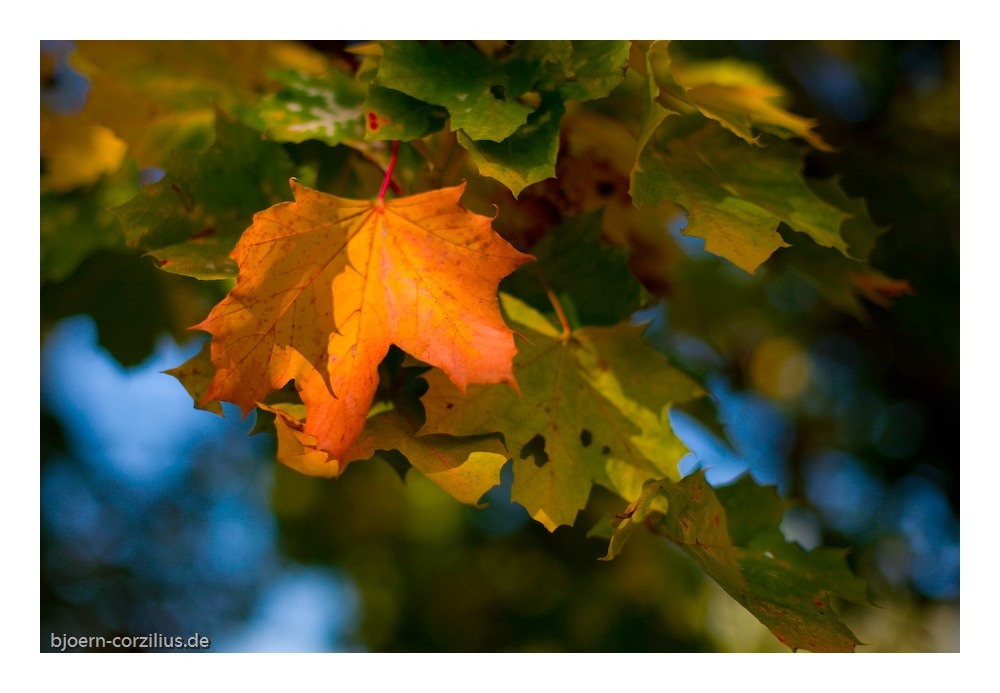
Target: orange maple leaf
x=327 y=284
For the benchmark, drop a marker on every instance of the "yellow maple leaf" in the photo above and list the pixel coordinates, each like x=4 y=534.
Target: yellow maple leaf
x=160 y=95
x=76 y=154
x=740 y=96
x=464 y=467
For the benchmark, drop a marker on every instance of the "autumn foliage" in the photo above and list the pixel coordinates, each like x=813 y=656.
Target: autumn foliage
x=326 y=285
x=584 y=152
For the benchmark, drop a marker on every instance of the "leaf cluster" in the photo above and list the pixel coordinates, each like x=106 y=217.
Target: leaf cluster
x=586 y=151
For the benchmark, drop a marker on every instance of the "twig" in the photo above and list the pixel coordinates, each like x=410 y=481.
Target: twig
x=388 y=175
x=555 y=304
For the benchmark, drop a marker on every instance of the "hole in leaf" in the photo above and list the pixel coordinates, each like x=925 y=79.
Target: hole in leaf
x=535 y=447
x=586 y=438
x=499 y=92
x=289 y=393
x=397 y=461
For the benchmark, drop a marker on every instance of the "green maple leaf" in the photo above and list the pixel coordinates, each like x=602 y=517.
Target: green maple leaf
x=192 y=218
x=464 y=467
x=327 y=108
x=575 y=263
x=841 y=281
x=750 y=508
x=858 y=230
x=732 y=534
x=738 y=95
x=556 y=51
x=594 y=68
x=528 y=155
x=392 y=115
x=76 y=225
x=480 y=94
x=598 y=396
x=735 y=195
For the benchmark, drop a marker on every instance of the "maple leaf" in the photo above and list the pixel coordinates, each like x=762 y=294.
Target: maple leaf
x=840 y=280
x=464 y=467
x=196 y=375
x=597 y=396
x=737 y=95
x=859 y=230
x=732 y=534
x=327 y=284
x=392 y=115
x=325 y=108
x=735 y=195
x=528 y=155
x=594 y=68
x=464 y=81
x=191 y=219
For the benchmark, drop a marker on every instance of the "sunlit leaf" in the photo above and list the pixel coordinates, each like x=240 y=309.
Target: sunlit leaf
x=737 y=95
x=196 y=375
x=593 y=409
x=464 y=467
x=327 y=284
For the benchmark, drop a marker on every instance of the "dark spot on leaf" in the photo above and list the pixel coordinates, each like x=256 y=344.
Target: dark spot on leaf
x=605 y=188
x=535 y=447
x=605 y=450
x=586 y=438
x=499 y=91
x=602 y=366
x=204 y=233
x=449 y=405
x=548 y=410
